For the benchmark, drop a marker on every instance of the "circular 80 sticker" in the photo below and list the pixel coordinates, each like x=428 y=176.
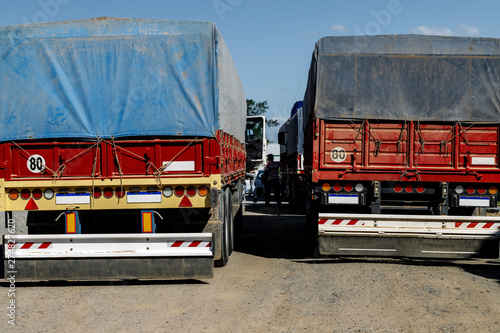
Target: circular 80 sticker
x=35 y=163
x=338 y=154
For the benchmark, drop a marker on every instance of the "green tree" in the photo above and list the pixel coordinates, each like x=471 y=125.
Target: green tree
x=259 y=109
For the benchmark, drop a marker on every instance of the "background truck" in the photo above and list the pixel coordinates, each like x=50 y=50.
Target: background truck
x=123 y=139
x=256 y=148
x=401 y=146
x=291 y=139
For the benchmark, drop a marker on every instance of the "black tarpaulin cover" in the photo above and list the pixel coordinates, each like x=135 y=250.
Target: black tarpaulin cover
x=405 y=77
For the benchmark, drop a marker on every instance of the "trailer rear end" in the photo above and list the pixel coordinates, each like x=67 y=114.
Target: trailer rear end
x=123 y=140
x=403 y=136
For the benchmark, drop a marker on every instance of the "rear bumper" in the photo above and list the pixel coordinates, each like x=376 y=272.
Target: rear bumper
x=418 y=236
x=108 y=257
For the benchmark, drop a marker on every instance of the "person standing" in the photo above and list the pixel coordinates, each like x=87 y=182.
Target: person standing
x=272 y=179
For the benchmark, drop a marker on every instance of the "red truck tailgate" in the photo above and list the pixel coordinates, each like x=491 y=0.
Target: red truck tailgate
x=365 y=146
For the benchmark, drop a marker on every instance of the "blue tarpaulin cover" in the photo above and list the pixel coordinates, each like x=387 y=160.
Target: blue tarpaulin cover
x=111 y=77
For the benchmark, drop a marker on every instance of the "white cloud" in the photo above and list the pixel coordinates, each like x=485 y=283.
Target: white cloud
x=338 y=27
x=461 y=30
x=424 y=30
x=468 y=30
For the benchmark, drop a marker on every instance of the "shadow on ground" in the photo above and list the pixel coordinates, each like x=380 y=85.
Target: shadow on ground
x=279 y=232
x=274 y=232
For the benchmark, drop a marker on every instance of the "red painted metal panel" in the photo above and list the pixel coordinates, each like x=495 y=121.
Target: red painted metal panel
x=223 y=155
x=42 y=160
x=409 y=151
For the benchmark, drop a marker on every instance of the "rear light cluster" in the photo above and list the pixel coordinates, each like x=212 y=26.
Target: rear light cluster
x=348 y=187
x=180 y=191
x=108 y=192
x=36 y=194
x=409 y=188
x=476 y=189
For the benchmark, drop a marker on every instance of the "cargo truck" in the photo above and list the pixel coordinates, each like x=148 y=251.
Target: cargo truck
x=123 y=140
x=401 y=146
x=291 y=139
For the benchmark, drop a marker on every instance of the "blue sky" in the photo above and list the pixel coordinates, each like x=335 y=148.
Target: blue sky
x=271 y=41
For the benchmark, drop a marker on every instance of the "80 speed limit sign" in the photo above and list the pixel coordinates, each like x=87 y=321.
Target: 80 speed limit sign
x=35 y=163
x=338 y=154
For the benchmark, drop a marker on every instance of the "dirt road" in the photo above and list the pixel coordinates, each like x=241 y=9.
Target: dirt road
x=273 y=283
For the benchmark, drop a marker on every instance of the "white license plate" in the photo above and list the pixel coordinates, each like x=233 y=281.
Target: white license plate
x=144 y=197
x=350 y=199
x=474 y=202
x=73 y=199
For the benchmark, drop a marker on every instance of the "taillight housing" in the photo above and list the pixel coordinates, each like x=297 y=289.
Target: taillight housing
x=191 y=191
x=167 y=191
x=48 y=194
x=13 y=194
x=108 y=192
x=120 y=192
x=203 y=191
x=25 y=194
x=470 y=189
x=37 y=194
x=179 y=191
x=96 y=193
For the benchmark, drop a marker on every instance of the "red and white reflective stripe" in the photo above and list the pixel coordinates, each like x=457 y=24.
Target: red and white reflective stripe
x=109 y=245
x=29 y=245
x=327 y=222
x=181 y=243
x=476 y=225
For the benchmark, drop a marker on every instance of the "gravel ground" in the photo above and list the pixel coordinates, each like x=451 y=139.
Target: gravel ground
x=273 y=283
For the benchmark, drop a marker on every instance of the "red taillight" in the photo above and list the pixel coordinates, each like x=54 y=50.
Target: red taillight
x=481 y=190
x=398 y=188
x=409 y=188
x=108 y=192
x=470 y=189
x=25 y=194
x=96 y=193
x=120 y=193
x=337 y=187
x=179 y=191
x=348 y=187
x=37 y=194
x=420 y=188
x=191 y=191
